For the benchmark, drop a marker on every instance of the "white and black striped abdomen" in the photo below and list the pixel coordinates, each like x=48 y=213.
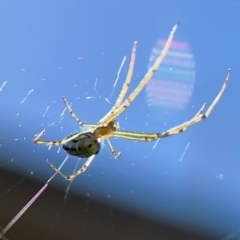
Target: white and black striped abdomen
x=83 y=146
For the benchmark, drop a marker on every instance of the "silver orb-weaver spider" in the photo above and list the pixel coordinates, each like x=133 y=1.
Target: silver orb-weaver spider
x=86 y=144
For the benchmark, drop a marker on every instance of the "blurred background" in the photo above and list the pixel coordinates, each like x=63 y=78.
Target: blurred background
x=182 y=187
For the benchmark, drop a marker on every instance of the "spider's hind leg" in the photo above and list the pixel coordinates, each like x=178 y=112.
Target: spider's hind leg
x=56 y=143
x=36 y=139
x=71 y=112
x=75 y=174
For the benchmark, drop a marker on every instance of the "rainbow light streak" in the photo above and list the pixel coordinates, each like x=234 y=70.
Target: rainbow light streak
x=170 y=89
x=175 y=44
x=24 y=209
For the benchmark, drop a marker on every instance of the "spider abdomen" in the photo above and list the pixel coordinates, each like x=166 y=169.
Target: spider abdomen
x=83 y=146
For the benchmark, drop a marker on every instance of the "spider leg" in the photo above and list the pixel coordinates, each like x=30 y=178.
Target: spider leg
x=125 y=85
x=56 y=143
x=36 y=140
x=115 y=113
x=178 y=129
x=75 y=174
x=75 y=116
x=200 y=111
x=218 y=96
x=61 y=142
x=116 y=155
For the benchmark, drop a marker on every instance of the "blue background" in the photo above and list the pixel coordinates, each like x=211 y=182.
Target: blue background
x=59 y=48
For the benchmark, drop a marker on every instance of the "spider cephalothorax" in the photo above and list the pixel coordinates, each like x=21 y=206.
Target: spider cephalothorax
x=108 y=127
x=106 y=130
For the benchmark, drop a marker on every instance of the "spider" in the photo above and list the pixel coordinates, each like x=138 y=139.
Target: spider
x=87 y=143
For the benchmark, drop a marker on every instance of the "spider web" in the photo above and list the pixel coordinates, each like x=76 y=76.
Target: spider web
x=49 y=121
x=51 y=114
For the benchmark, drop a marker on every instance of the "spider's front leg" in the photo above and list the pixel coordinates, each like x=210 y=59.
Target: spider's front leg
x=116 y=155
x=178 y=129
